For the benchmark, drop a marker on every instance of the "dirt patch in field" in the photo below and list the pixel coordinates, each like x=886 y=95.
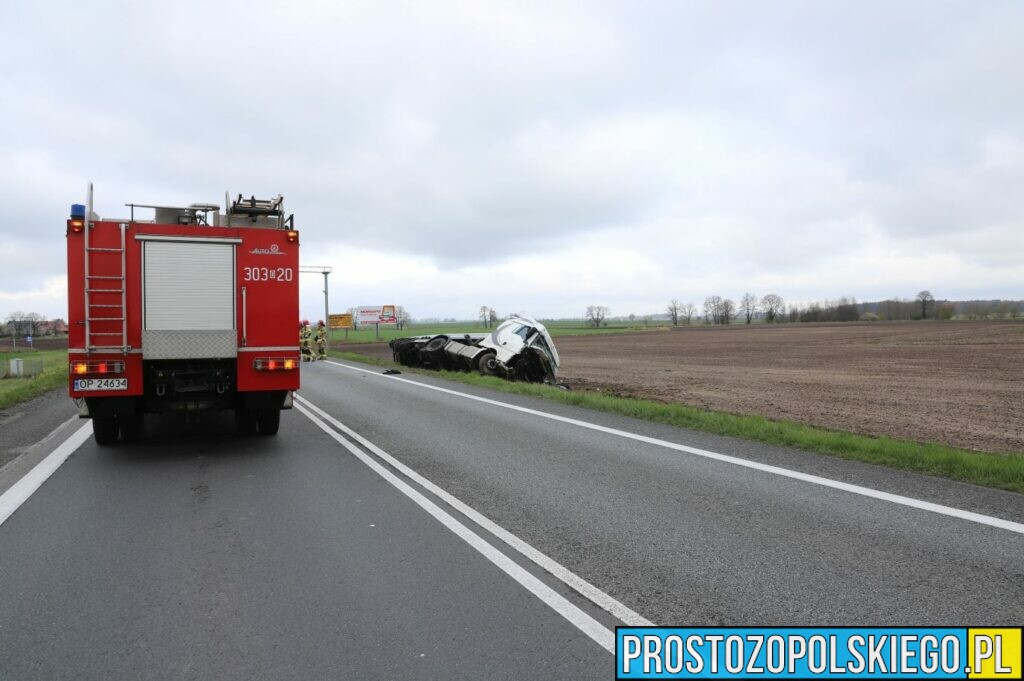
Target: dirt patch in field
x=957 y=383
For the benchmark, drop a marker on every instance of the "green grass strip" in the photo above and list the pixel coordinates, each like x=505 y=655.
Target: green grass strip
x=54 y=375
x=366 y=359
x=1001 y=471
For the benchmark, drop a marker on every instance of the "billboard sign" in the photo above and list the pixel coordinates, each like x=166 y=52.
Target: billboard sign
x=340 y=321
x=376 y=314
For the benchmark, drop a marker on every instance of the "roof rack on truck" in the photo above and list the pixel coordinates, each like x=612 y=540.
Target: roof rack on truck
x=242 y=212
x=264 y=212
x=192 y=214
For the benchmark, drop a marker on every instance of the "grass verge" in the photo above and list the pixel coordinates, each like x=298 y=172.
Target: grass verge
x=366 y=359
x=54 y=375
x=1001 y=471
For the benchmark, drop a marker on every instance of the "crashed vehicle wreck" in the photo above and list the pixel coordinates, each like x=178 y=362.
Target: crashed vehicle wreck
x=519 y=349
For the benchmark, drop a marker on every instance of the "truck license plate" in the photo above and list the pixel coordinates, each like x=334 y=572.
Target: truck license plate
x=101 y=384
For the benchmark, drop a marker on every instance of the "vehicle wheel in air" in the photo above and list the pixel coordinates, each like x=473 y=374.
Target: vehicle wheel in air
x=435 y=344
x=104 y=430
x=131 y=427
x=488 y=364
x=245 y=419
x=432 y=354
x=268 y=420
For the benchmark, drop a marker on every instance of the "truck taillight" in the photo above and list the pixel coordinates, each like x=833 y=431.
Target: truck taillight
x=293 y=237
x=274 y=364
x=100 y=367
x=76 y=226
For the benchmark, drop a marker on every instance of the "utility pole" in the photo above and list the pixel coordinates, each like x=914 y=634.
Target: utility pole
x=324 y=270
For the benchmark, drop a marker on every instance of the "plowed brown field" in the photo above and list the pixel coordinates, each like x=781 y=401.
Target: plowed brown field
x=960 y=383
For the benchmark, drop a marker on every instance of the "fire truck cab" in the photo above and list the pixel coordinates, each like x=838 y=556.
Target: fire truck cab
x=189 y=311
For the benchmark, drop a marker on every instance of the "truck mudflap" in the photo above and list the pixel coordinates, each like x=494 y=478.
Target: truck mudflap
x=82 y=406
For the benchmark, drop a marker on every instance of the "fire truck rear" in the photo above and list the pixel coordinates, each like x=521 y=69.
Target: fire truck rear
x=193 y=310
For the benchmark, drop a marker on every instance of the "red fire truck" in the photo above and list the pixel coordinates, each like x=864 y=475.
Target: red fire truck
x=193 y=310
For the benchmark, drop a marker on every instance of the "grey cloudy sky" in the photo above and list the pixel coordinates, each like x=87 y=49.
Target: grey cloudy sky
x=536 y=157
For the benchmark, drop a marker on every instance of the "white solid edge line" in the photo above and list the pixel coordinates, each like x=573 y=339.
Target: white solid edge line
x=581 y=620
x=20 y=491
x=970 y=516
x=569 y=578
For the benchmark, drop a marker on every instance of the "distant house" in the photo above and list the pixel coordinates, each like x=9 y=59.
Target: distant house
x=52 y=327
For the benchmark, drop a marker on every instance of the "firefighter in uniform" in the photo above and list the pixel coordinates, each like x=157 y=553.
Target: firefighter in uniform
x=321 y=340
x=306 y=341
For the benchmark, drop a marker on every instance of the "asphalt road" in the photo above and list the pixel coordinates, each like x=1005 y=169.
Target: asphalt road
x=196 y=554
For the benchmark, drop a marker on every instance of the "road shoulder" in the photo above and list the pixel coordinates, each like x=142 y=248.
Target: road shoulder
x=30 y=431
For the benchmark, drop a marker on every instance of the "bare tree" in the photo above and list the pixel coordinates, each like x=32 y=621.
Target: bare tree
x=925 y=297
x=402 y=316
x=673 y=311
x=484 y=314
x=18 y=323
x=34 y=321
x=748 y=305
x=727 y=312
x=492 y=317
x=595 y=315
x=688 y=311
x=772 y=306
x=354 y=311
x=713 y=309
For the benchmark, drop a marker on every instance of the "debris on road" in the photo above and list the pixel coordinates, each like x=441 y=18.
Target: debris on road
x=520 y=349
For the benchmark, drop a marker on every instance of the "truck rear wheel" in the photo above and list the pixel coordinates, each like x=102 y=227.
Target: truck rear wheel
x=104 y=429
x=131 y=426
x=245 y=419
x=268 y=420
x=432 y=354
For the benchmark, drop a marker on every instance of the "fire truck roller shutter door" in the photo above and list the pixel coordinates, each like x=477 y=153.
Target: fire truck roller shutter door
x=188 y=300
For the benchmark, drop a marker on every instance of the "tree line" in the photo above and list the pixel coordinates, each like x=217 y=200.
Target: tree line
x=719 y=310
x=772 y=308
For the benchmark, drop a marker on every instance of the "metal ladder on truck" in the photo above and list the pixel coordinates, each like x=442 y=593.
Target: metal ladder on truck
x=106 y=312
